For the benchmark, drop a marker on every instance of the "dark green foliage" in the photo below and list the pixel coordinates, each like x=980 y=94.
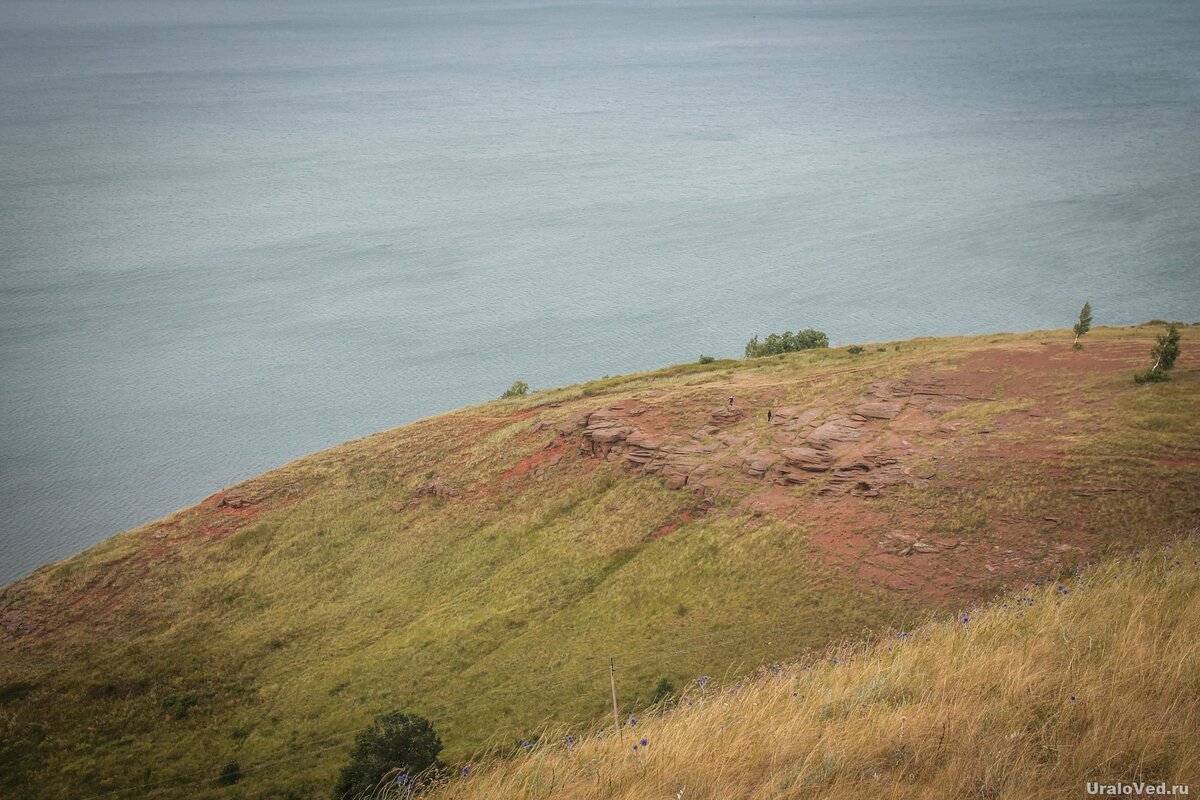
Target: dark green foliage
x=1151 y=376
x=231 y=773
x=518 y=389
x=854 y=350
x=11 y=692
x=779 y=343
x=663 y=692
x=1164 y=353
x=178 y=706
x=1166 y=349
x=406 y=742
x=1084 y=325
x=706 y=359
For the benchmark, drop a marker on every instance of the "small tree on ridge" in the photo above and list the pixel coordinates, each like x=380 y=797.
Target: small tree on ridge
x=1164 y=353
x=1084 y=325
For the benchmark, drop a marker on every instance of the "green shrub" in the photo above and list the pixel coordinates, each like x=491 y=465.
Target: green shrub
x=518 y=389
x=1151 y=376
x=178 y=706
x=393 y=741
x=231 y=773
x=854 y=350
x=706 y=359
x=778 y=343
x=15 y=691
x=663 y=692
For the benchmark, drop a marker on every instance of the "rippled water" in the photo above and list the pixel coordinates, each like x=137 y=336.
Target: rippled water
x=235 y=232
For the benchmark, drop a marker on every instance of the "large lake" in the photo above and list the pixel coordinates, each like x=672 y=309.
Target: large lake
x=232 y=233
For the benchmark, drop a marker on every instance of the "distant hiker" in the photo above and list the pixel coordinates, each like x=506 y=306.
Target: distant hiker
x=731 y=401
x=768 y=416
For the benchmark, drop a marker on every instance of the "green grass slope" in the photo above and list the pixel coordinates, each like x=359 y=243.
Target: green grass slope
x=481 y=567
x=1036 y=695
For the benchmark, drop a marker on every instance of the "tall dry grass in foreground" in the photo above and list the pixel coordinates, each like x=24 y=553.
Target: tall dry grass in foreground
x=1095 y=678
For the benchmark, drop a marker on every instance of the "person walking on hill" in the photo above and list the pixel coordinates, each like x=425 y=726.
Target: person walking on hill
x=768 y=416
x=731 y=401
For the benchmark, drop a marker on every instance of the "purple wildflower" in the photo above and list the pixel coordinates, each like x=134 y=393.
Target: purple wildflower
x=644 y=742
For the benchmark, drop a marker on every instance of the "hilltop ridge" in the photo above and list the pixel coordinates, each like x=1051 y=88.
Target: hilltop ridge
x=481 y=566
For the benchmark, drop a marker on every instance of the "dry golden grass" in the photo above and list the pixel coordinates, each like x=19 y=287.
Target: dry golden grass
x=1032 y=697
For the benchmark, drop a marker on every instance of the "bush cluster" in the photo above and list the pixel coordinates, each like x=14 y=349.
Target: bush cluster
x=518 y=389
x=392 y=742
x=778 y=343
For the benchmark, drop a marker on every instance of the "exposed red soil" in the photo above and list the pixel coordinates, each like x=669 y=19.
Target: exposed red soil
x=674 y=524
x=227 y=512
x=212 y=520
x=867 y=446
x=535 y=462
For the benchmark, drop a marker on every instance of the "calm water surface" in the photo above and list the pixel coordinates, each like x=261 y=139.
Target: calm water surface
x=232 y=233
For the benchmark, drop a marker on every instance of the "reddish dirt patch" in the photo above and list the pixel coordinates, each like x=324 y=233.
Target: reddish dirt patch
x=535 y=462
x=677 y=522
x=866 y=443
x=229 y=511
x=670 y=527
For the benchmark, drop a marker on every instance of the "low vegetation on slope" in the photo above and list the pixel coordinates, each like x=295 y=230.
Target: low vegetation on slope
x=1091 y=679
x=480 y=568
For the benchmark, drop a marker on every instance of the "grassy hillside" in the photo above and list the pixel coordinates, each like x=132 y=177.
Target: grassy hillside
x=1031 y=696
x=481 y=567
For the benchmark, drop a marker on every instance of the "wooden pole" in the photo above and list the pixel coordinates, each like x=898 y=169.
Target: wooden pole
x=612 y=679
